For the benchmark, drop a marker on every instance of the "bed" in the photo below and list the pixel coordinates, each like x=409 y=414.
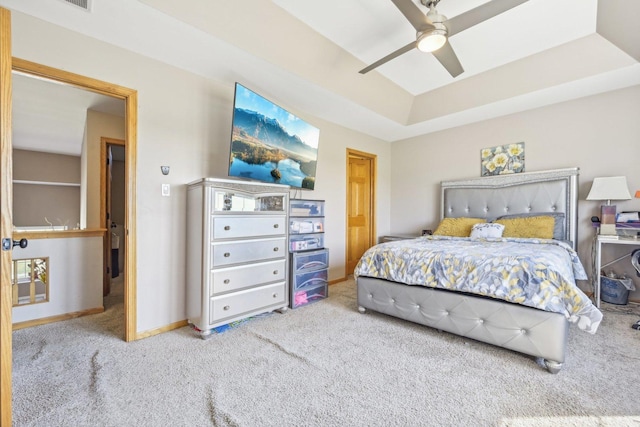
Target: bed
x=513 y=292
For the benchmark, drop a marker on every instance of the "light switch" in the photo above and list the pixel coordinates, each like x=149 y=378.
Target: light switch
x=166 y=190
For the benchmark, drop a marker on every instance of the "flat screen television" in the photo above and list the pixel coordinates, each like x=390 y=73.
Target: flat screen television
x=269 y=144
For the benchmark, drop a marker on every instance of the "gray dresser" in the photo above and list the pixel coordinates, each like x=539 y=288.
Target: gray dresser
x=236 y=251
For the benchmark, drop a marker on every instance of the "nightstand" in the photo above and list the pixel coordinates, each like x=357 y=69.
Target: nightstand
x=395 y=237
x=608 y=240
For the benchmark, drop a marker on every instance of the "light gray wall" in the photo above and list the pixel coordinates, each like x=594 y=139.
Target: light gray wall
x=599 y=134
x=32 y=203
x=184 y=121
x=99 y=125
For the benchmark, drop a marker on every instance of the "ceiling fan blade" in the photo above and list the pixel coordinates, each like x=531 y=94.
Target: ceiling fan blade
x=415 y=16
x=448 y=59
x=389 y=57
x=479 y=14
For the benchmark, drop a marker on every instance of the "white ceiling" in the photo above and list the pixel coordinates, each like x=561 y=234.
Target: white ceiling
x=371 y=29
x=50 y=117
x=305 y=55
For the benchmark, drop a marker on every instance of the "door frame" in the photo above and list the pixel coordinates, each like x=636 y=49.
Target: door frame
x=351 y=153
x=130 y=97
x=6 y=225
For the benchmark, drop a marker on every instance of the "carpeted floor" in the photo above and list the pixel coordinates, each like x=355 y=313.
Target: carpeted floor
x=320 y=365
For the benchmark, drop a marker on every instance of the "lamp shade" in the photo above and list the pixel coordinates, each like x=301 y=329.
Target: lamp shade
x=609 y=188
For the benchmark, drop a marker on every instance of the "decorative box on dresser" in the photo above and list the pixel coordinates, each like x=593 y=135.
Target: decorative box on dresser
x=309 y=257
x=236 y=251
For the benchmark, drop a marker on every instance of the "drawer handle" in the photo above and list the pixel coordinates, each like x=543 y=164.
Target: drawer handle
x=275 y=295
x=275 y=272
x=226 y=281
x=227 y=254
x=276 y=225
x=226 y=307
x=227 y=227
x=276 y=249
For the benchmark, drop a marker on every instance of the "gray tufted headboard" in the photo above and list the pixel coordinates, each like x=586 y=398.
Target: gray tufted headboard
x=492 y=196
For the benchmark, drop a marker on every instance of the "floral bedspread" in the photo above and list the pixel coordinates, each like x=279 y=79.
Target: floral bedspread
x=538 y=273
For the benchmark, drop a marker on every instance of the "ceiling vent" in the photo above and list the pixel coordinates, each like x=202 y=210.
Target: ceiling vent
x=82 y=4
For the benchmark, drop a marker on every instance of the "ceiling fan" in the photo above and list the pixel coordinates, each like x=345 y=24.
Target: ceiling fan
x=433 y=30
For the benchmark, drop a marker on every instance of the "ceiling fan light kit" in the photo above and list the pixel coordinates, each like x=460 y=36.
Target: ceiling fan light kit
x=429 y=41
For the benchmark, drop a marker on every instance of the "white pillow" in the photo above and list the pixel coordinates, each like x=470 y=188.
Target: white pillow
x=486 y=230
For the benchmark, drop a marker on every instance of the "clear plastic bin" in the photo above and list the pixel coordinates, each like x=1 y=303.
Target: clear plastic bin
x=305 y=242
x=303 y=207
x=311 y=261
x=307 y=296
x=311 y=279
x=306 y=225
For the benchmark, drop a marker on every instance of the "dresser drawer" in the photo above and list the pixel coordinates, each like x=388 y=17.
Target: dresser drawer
x=234 y=227
x=244 y=276
x=228 y=253
x=238 y=303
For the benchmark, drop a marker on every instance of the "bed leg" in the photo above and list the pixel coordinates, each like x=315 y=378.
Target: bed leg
x=361 y=309
x=553 y=367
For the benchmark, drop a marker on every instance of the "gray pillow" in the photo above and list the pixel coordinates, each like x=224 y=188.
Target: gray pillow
x=558 y=221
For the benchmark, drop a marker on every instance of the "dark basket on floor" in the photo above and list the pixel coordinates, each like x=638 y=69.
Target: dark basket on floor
x=614 y=291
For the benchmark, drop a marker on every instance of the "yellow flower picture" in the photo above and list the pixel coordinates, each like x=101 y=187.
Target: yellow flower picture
x=502 y=160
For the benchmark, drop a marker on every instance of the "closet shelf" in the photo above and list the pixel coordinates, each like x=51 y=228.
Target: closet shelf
x=59 y=184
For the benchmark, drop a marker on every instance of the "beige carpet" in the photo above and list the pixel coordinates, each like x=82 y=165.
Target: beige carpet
x=320 y=365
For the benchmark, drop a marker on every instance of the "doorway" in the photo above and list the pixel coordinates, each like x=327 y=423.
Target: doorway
x=130 y=98
x=112 y=209
x=361 y=195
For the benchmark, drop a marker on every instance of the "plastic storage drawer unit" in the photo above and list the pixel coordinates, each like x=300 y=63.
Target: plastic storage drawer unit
x=309 y=277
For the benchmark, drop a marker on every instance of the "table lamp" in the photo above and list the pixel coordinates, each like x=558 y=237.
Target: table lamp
x=609 y=188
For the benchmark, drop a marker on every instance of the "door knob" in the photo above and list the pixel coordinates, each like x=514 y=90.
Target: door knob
x=22 y=243
x=7 y=243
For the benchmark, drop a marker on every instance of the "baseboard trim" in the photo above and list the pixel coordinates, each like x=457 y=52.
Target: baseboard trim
x=57 y=318
x=157 y=331
x=182 y=323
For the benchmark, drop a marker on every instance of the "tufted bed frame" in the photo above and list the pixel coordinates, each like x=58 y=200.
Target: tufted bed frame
x=523 y=329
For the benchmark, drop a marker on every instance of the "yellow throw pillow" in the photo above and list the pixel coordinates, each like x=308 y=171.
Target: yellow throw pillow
x=539 y=227
x=457 y=227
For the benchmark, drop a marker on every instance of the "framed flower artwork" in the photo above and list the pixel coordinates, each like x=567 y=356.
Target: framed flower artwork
x=502 y=160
